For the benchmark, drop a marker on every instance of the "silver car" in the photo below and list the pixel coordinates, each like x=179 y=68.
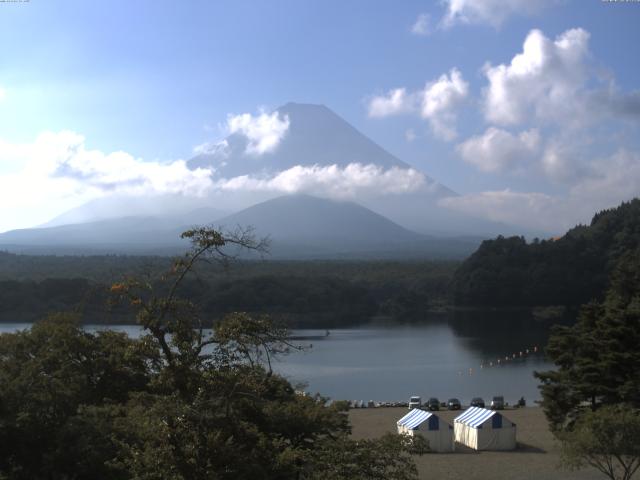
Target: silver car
x=415 y=402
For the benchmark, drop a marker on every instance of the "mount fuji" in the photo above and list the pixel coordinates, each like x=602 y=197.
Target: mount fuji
x=346 y=195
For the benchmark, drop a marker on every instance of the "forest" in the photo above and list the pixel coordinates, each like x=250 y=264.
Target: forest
x=180 y=402
x=503 y=273
x=570 y=270
x=305 y=293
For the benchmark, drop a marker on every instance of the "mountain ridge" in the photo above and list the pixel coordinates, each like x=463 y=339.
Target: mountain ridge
x=300 y=227
x=316 y=136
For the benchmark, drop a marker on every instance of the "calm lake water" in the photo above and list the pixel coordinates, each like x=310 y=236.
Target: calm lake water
x=457 y=357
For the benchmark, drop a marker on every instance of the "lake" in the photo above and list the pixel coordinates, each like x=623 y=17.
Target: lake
x=460 y=356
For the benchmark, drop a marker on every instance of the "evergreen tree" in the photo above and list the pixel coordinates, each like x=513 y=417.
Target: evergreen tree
x=598 y=358
x=570 y=270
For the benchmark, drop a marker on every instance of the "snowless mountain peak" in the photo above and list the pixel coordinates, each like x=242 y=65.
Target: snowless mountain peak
x=315 y=136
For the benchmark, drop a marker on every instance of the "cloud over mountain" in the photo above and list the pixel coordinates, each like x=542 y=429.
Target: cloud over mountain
x=263 y=131
x=331 y=181
x=58 y=170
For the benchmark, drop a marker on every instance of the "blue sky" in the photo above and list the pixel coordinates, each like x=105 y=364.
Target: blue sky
x=154 y=79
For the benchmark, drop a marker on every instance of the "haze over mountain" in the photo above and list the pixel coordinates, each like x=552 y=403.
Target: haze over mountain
x=298 y=149
x=365 y=201
x=123 y=235
x=312 y=140
x=298 y=226
x=301 y=225
x=172 y=209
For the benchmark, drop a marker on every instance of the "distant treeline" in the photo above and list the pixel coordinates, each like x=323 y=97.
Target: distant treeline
x=323 y=294
x=570 y=270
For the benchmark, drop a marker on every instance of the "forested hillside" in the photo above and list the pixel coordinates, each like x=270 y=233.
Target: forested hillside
x=570 y=270
x=323 y=294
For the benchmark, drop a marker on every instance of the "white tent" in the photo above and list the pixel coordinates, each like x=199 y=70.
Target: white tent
x=439 y=434
x=483 y=429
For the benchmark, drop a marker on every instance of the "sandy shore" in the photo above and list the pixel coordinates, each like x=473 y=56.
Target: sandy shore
x=536 y=458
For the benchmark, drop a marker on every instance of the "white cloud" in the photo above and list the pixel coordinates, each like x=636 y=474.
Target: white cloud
x=551 y=86
x=57 y=172
x=564 y=159
x=331 y=181
x=530 y=209
x=395 y=102
x=264 y=131
x=64 y=155
x=606 y=183
x=546 y=80
x=437 y=103
x=497 y=150
x=422 y=25
x=410 y=135
x=610 y=180
x=491 y=12
x=555 y=81
x=440 y=100
x=220 y=148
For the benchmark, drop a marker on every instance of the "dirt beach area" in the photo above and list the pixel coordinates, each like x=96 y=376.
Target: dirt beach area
x=537 y=456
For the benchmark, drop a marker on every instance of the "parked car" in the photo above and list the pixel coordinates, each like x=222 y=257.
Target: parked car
x=415 y=402
x=454 y=404
x=477 y=402
x=497 y=403
x=433 y=404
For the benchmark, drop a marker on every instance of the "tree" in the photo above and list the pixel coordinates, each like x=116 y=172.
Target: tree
x=570 y=270
x=184 y=401
x=387 y=458
x=221 y=411
x=598 y=358
x=47 y=375
x=607 y=439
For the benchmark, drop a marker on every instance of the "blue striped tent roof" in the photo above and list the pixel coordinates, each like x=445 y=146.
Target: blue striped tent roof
x=414 y=418
x=475 y=416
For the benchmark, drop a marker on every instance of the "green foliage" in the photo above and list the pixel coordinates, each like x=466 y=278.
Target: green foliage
x=598 y=358
x=607 y=439
x=387 y=458
x=327 y=300
x=571 y=270
x=178 y=403
x=46 y=375
x=305 y=294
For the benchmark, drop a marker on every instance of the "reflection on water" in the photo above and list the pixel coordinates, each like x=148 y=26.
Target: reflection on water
x=392 y=364
x=455 y=356
x=492 y=333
